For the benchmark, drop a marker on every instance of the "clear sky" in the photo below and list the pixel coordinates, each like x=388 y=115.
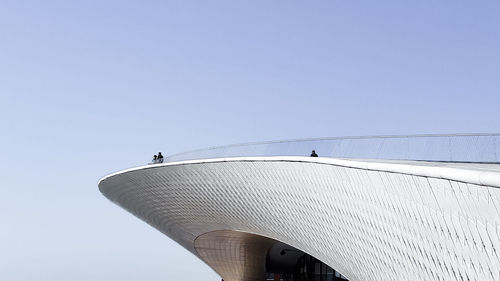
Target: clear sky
x=91 y=87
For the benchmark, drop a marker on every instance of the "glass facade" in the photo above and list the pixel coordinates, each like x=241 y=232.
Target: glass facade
x=308 y=268
x=311 y=269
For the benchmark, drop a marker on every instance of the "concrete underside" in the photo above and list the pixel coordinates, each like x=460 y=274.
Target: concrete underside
x=369 y=220
x=234 y=255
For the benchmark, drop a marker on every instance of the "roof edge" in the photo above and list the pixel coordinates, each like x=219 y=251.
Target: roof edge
x=417 y=168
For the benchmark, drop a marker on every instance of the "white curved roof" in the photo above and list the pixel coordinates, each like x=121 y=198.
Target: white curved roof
x=391 y=220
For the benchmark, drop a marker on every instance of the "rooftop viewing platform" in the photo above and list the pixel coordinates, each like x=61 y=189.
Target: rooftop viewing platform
x=466 y=148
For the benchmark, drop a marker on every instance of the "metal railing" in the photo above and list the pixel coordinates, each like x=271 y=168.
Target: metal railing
x=478 y=148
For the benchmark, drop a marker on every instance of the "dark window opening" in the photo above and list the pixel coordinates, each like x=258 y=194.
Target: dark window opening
x=307 y=268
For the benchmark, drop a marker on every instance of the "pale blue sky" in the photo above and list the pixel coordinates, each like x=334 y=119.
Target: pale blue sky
x=92 y=87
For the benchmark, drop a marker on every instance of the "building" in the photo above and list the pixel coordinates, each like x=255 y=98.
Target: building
x=369 y=208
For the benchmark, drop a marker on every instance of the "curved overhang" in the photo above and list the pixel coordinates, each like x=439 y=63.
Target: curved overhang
x=233 y=254
x=397 y=220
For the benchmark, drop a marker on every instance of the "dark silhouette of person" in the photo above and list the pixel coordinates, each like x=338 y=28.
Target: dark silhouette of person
x=160 y=157
x=155 y=158
x=313 y=154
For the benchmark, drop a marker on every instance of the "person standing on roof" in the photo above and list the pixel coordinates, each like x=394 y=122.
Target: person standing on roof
x=313 y=154
x=160 y=157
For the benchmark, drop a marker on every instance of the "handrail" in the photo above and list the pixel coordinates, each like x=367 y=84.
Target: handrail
x=483 y=148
